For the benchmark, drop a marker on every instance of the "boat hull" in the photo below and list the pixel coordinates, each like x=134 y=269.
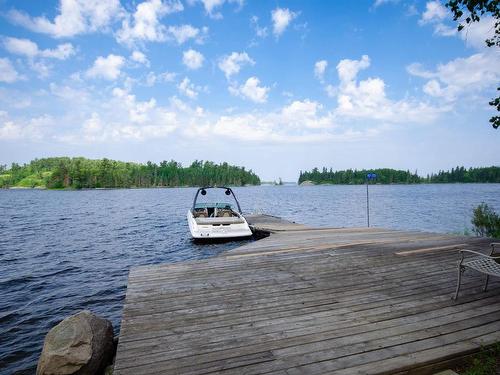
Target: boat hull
x=208 y=231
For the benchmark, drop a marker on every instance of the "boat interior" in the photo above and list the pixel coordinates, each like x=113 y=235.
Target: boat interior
x=216 y=214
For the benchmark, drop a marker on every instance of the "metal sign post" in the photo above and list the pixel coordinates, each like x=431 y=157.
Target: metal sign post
x=369 y=176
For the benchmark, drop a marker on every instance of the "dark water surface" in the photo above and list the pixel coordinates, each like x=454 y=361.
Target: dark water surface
x=64 y=251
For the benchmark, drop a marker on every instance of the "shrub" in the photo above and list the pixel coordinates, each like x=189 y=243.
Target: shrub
x=484 y=363
x=486 y=222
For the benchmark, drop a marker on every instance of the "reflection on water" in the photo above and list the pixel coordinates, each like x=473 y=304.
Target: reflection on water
x=63 y=251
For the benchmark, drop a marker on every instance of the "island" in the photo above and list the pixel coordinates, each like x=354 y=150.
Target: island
x=394 y=176
x=82 y=173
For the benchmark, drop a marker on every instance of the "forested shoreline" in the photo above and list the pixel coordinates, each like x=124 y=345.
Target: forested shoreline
x=394 y=176
x=82 y=173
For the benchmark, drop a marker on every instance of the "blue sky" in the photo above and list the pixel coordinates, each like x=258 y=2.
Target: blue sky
x=276 y=86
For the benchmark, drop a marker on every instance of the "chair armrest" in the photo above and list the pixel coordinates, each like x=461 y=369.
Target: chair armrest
x=477 y=253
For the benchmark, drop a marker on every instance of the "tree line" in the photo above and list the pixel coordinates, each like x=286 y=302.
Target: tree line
x=393 y=176
x=82 y=173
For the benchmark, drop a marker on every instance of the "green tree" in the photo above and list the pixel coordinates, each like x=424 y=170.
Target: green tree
x=392 y=176
x=79 y=173
x=467 y=12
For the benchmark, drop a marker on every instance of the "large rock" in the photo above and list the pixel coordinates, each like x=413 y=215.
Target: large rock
x=81 y=344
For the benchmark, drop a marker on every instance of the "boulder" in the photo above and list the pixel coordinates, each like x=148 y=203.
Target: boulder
x=81 y=344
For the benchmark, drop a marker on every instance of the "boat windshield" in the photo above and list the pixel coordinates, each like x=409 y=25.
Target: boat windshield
x=216 y=197
x=226 y=206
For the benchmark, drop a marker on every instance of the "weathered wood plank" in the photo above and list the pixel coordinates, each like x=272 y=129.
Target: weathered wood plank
x=268 y=223
x=294 y=345
x=342 y=300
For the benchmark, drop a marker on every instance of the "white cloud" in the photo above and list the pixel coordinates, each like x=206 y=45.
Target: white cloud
x=251 y=90
x=62 y=52
x=26 y=47
x=411 y=10
x=460 y=76
x=8 y=73
x=138 y=112
x=349 y=69
x=108 y=68
x=319 y=69
x=139 y=57
x=121 y=117
x=368 y=99
x=416 y=69
x=14 y=99
x=36 y=57
x=93 y=129
x=144 y=25
x=21 y=46
x=188 y=89
x=42 y=68
x=232 y=64
x=444 y=30
x=118 y=118
x=9 y=130
x=299 y=122
x=75 y=17
x=433 y=88
x=382 y=2
x=434 y=12
x=68 y=93
x=33 y=129
x=475 y=34
x=331 y=91
x=183 y=33
x=160 y=124
x=281 y=19
x=261 y=32
x=152 y=78
x=306 y=114
x=211 y=6
x=192 y=59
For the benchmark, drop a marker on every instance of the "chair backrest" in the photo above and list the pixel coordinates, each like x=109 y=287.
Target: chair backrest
x=495 y=250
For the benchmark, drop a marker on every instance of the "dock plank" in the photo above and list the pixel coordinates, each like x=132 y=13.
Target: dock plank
x=309 y=301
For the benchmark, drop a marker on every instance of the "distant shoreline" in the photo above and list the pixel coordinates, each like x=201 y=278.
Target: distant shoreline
x=237 y=186
x=401 y=183
x=397 y=176
x=107 y=188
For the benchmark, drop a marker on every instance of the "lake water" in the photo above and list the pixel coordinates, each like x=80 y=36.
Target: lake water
x=64 y=251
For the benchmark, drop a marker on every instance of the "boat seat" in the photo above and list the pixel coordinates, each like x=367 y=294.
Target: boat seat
x=224 y=213
x=219 y=220
x=200 y=212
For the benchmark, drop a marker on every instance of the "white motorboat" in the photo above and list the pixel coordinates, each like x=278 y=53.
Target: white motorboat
x=217 y=220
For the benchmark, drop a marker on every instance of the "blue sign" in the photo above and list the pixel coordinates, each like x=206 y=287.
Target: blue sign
x=371 y=176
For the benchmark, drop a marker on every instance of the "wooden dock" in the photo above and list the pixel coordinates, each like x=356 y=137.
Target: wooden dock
x=310 y=301
x=272 y=224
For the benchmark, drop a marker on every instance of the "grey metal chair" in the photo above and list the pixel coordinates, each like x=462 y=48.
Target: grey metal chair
x=482 y=263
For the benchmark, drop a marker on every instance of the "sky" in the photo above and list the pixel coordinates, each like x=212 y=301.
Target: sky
x=275 y=86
